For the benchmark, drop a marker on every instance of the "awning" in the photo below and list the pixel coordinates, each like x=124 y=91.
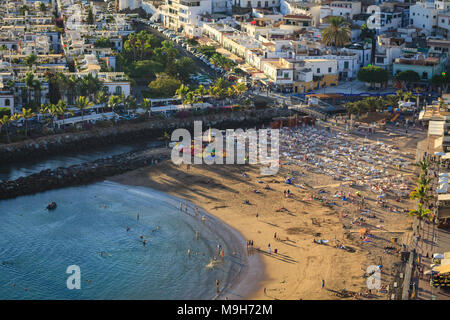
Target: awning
x=436 y=128
x=442 y=269
x=444 y=197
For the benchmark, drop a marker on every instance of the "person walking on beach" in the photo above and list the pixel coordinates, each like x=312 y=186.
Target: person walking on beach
x=181 y=206
x=323 y=283
x=217 y=286
x=269 y=249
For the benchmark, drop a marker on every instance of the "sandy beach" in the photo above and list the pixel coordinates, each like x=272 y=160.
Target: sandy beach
x=313 y=211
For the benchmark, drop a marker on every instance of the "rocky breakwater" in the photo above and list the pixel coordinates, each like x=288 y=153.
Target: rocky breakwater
x=130 y=132
x=81 y=173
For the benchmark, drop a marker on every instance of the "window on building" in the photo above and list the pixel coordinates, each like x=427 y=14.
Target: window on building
x=118 y=90
x=345 y=64
x=425 y=75
x=267 y=3
x=329 y=70
x=318 y=70
x=7 y=102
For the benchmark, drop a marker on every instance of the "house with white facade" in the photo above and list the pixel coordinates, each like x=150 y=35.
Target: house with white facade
x=424 y=15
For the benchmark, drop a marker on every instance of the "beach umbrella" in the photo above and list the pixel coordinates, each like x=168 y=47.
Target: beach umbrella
x=439 y=153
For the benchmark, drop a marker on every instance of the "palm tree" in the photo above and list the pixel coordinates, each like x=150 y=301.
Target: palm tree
x=399 y=94
x=146 y=105
x=82 y=103
x=102 y=98
x=30 y=60
x=421 y=214
x=337 y=34
x=423 y=165
x=420 y=193
x=27 y=114
x=408 y=96
x=114 y=102
x=132 y=104
x=4 y=122
x=166 y=138
x=42 y=110
x=52 y=111
x=423 y=180
x=62 y=110
x=240 y=89
x=182 y=91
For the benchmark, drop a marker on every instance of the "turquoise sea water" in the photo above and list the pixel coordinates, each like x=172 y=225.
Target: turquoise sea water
x=37 y=246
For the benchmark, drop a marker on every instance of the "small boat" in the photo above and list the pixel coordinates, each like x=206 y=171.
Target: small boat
x=51 y=206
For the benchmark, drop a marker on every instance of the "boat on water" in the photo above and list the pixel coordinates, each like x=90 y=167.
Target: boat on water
x=51 y=206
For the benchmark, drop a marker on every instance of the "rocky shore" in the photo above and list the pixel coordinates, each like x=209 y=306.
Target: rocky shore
x=150 y=130
x=81 y=173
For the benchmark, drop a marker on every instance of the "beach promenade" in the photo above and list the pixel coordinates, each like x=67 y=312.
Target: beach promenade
x=432 y=240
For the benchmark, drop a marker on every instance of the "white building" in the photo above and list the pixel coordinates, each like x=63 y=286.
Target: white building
x=256 y=3
x=443 y=24
x=384 y=17
x=388 y=49
x=129 y=4
x=186 y=15
x=345 y=9
x=424 y=15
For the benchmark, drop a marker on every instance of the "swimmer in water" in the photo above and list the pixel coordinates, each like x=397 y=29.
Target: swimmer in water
x=189 y=252
x=128 y=228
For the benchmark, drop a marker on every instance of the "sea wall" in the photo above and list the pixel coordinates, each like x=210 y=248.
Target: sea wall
x=82 y=173
x=154 y=129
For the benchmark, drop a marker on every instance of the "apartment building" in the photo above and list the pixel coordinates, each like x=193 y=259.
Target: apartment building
x=384 y=17
x=345 y=9
x=424 y=15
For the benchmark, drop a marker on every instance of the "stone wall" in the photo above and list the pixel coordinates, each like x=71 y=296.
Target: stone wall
x=150 y=130
x=83 y=173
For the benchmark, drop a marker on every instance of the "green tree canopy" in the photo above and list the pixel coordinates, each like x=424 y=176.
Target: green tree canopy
x=373 y=74
x=164 y=87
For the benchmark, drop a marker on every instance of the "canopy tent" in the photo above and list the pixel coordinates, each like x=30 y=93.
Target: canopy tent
x=436 y=128
x=442 y=269
x=444 y=197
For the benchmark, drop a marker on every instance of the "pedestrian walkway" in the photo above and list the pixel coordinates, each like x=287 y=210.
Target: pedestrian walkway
x=432 y=240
